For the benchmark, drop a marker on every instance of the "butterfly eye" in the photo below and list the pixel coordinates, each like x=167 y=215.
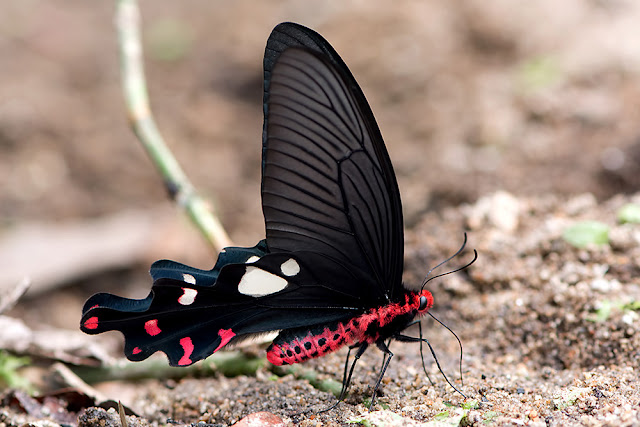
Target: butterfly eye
x=423 y=303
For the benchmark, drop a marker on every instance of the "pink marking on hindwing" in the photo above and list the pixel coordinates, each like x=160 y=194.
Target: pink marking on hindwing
x=151 y=326
x=225 y=337
x=91 y=323
x=187 y=346
x=136 y=350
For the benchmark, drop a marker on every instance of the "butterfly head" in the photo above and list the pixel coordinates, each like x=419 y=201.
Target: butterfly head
x=425 y=301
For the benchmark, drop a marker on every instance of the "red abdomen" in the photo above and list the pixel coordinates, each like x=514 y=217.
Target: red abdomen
x=378 y=323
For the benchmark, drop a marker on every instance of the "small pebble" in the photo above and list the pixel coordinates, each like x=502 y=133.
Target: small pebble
x=258 y=419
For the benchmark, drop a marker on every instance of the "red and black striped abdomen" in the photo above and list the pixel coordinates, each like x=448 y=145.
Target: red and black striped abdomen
x=376 y=324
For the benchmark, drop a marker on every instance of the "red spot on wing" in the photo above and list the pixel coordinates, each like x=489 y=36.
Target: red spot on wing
x=225 y=337
x=94 y=306
x=136 y=350
x=187 y=346
x=91 y=323
x=151 y=326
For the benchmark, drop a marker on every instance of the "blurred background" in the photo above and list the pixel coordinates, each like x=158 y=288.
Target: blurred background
x=471 y=97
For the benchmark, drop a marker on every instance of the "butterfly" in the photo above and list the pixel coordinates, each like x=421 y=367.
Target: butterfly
x=329 y=272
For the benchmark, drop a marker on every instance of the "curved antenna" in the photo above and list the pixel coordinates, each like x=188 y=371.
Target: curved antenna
x=464 y=243
x=475 y=257
x=459 y=345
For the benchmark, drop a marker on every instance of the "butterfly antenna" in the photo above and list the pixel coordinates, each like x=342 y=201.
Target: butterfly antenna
x=459 y=345
x=467 y=265
x=464 y=244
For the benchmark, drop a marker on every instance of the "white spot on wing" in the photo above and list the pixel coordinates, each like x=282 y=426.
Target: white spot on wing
x=258 y=283
x=290 y=267
x=188 y=297
x=188 y=278
x=252 y=259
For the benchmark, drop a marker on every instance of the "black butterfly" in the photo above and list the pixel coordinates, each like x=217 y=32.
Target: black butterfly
x=329 y=272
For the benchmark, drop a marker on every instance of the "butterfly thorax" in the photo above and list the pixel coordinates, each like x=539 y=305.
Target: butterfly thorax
x=377 y=324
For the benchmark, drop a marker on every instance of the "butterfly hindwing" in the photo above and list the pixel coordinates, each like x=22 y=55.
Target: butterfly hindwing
x=189 y=322
x=233 y=255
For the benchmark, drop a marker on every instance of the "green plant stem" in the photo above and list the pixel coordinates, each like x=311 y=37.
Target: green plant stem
x=145 y=128
x=329 y=385
x=228 y=363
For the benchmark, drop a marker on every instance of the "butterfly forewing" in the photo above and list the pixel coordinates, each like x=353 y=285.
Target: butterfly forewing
x=290 y=35
x=328 y=185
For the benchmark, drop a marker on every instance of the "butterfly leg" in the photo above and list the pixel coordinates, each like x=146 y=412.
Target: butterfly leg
x=421 y=340
x=424 y=368
x=343 y=391
x=406 y=338
x=387 y=359
x=346 y=379
x=384 y=356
